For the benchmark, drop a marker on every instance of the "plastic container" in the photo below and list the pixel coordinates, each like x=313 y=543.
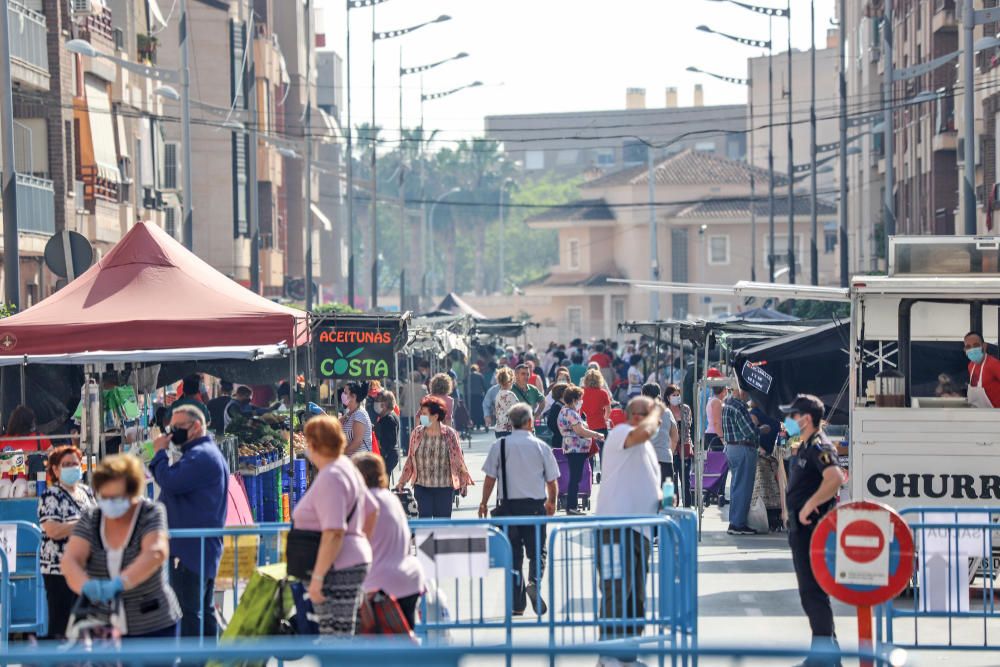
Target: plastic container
x=668 y=494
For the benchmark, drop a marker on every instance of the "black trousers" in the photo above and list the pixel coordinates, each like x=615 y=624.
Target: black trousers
x=815 y=601
x=576 y=463
x=683 y=479
x=60 y=600
x=526 y=541
x=622 y=564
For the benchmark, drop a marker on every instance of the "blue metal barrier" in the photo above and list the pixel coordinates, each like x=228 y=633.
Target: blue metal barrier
x=141 y=653
x=573 y=583
x=23 y=608
x=970 y=536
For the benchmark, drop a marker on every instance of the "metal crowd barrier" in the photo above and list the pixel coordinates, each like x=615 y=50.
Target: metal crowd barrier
x=23 y=608
x=953 y=593
x=646 y=592
x=146 y=653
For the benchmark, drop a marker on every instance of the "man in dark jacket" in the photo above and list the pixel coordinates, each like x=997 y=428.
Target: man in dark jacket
x=194 y=491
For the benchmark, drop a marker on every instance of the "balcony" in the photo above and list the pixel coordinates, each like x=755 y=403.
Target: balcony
x=945 y=136
x=96 y=188
x=944 y=18
x=28 y=46
x=36 y=211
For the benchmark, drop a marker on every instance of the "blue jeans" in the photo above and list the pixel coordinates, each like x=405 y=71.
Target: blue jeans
x=743 y=468
x=186 y=585
x=434 y=502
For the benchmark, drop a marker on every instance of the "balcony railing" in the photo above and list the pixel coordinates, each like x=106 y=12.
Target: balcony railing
x=36 y=205
x=98 y=30
x=95 y=187
x=28 y=37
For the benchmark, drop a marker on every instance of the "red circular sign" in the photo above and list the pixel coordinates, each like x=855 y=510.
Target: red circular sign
x=859 y=544
x=862 y=541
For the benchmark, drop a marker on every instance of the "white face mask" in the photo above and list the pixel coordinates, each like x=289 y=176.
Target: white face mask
x=379 y=407
x=675 y=400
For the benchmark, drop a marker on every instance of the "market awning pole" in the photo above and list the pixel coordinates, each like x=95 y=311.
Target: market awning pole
x=23 y=386
x=291 y=430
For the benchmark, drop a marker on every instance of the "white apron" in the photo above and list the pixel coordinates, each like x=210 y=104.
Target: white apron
x=977 y=395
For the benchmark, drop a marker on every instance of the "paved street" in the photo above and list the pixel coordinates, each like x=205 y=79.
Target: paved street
x=747 y=589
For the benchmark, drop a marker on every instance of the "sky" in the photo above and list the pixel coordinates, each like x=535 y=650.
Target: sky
x=550 y=55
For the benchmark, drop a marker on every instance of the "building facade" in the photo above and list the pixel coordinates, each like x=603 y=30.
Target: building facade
x=573 y=143
x=709 y=230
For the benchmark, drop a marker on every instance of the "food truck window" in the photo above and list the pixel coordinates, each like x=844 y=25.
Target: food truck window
x=930 y=341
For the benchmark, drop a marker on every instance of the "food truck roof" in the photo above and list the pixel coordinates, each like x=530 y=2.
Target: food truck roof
x=958 y=287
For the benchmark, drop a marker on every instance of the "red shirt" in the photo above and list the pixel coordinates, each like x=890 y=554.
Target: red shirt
x=39 y=444
x=990 y=370
x=618 y=417
x=595 y=399
x=601 y=359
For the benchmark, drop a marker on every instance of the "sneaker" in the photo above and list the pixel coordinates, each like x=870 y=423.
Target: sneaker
x=537 y=603
x=598 y=478
x=517 y=612
x=574 y=512
x=745 y=530
x=731 y=529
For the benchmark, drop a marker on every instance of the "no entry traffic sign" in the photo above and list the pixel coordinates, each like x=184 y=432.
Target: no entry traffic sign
x=862 y=553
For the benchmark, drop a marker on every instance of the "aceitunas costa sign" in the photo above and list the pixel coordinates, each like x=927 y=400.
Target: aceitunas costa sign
x=354 y=353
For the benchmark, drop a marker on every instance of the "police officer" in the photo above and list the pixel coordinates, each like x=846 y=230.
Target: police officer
x=814 y=480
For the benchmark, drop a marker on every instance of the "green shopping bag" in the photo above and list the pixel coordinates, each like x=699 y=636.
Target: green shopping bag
x=265 y=606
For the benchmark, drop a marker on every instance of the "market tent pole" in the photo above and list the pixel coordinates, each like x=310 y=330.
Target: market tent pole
x=23 y=381
x=291 y=431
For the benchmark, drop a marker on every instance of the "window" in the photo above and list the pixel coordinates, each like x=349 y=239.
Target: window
x=604 y=157
x=574 y=320
x=170 y=166
x=634 y=152
x=534 y=160
x=573 y=253
x=829 y=237
x=718 y=249
x=170 y=221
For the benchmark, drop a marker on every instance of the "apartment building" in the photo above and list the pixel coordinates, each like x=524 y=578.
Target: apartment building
x=575 y=142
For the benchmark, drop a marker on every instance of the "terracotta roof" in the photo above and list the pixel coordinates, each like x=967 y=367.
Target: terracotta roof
x=581 y=209
x=734 y=207
x=688 y=167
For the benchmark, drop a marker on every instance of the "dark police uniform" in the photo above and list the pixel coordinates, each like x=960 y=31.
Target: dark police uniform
x=805 y=477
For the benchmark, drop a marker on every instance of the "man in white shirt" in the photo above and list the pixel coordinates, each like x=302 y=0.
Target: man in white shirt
x=630 y=486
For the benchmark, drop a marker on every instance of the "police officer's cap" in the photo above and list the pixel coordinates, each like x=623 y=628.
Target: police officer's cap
x=805 y=404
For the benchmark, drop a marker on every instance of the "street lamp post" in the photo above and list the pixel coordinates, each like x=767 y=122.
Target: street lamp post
x=407 y=71
x=770 y=139
x=351 y=4
x=753 y=181
x=12 y=258
x=503 y=230
x=376 y=37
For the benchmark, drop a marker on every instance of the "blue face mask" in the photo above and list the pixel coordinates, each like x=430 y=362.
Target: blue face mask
x=975 y=355
x=70 y=476
x=425 y=421
x=114 y=507
x=792 y=427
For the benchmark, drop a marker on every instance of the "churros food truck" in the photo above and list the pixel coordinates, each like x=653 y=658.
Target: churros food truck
x=916 y=439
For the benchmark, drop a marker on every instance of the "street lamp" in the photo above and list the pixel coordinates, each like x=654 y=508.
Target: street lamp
x=739 y=81
x=407 y=71
x=446 y=93
x=181 y=77
x=786 y=13
x=379 y=35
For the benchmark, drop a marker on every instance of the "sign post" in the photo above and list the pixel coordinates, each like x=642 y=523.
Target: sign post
x=862 y=554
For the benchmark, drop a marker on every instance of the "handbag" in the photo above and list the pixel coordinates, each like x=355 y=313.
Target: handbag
x=380 y=614
x=500 y=510
x=302 y=547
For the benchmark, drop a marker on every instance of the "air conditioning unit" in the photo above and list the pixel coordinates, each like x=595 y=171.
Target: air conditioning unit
x=148 y=198
x=87 y=7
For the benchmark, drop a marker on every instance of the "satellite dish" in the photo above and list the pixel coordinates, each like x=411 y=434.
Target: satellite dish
x=68 y=254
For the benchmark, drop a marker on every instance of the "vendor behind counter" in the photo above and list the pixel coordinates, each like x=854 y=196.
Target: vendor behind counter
x=984 y=373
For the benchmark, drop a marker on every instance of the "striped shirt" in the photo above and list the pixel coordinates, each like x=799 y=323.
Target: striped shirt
x=360 y=415
x=150 y=605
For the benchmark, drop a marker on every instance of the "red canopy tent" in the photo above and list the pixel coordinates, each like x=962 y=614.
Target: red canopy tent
x=150 y=293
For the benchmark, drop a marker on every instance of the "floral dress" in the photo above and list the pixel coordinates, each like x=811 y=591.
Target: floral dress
x=58 y=504
x=506 y=399
x=571 y=442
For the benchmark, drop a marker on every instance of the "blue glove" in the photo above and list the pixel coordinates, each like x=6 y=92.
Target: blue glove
x=103 y=590
x=314 y=409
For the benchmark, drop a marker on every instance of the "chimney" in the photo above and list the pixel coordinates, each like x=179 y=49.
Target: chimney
x=832 y=38
x=699 y=95
x=671 y=97
x=635 y=98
